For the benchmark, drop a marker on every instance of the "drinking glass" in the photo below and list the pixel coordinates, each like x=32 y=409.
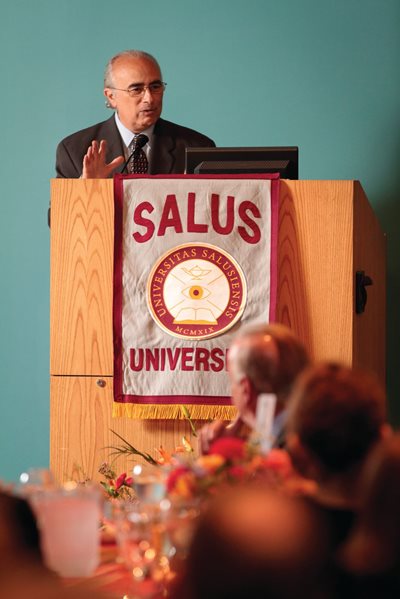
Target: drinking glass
x=69 y=519
x=180 y=518
x=142 y=546
x=33 y=480
x=148 y=483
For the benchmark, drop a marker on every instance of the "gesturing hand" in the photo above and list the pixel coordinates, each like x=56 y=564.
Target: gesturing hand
x=215 y=430
x=94 y=162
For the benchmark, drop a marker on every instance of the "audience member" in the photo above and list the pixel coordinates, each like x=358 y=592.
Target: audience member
x=263 y=358
x=336 y=416
x=255 y=543
x=372 y=553
x=22 y=571
x=19 y=536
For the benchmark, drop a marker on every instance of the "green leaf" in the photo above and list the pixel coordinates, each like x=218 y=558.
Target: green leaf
x=186 y=414
x=128 y=449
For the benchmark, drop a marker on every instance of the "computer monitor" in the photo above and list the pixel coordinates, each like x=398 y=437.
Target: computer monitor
x=282 y=160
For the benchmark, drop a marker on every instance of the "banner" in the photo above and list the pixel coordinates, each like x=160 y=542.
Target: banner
x=195 y=259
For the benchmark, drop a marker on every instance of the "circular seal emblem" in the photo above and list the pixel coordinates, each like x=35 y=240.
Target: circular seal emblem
x=196 y=291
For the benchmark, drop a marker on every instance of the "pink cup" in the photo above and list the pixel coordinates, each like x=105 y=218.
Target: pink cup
x=69 y=520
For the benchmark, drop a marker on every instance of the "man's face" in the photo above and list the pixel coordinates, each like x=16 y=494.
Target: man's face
x=238 y=397
x=259 y=348
x=136 y=113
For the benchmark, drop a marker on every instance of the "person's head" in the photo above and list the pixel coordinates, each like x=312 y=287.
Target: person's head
x=336 y=415
x=264 y=358
x=254 y=542
x=374 y=545
x=19 y=535
x=134 y=88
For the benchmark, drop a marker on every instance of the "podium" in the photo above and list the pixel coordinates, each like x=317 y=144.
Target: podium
x=330 y=243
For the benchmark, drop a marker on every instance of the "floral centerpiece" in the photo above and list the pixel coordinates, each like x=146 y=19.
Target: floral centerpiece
x=121 y=486
x=230 y=461
x=116 y=486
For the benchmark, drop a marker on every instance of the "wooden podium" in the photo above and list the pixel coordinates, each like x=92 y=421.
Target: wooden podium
x=327 y=234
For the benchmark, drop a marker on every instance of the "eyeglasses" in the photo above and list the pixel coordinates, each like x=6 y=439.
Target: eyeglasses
x=134 y=91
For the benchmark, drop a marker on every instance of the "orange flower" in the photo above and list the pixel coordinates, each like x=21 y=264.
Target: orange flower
x=210 y=463
x=278 y=460
x=185 y=486
x=174 y=476
x=182 y=482
x=166 y=457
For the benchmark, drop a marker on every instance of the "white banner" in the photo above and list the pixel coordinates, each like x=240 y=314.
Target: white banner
x=195 y=259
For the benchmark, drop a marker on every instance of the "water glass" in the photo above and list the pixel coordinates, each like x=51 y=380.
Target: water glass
x=33 y=480
x=180 y=522
x=69 y=522
x=148 y=483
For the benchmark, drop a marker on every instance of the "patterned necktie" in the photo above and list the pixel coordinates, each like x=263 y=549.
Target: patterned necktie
x=138 y=163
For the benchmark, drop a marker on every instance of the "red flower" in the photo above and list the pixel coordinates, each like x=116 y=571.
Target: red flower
x=230 y=448
x=120 y=481
x=238 y=473
x=128 y=481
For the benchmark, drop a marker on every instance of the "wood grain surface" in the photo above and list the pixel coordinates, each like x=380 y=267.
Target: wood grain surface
x=327 y=230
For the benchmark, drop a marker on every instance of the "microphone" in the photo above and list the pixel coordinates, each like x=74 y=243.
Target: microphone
x=127 y=161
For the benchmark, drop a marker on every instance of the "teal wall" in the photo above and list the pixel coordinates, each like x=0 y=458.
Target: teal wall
x=320 y=74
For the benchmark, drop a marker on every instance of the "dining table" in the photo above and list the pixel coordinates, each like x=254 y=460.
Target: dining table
x=113 y=579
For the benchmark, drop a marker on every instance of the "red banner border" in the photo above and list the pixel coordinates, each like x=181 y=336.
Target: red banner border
x=119 y=396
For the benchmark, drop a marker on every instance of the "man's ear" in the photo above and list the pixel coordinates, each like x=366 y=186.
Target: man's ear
x=246 y=389
x=109 y=94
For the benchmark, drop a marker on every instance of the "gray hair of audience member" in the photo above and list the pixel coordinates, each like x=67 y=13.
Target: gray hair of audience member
x=270 y=356
x=338 y=414
x=108 y=72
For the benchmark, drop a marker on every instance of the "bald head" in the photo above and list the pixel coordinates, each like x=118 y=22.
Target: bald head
x=126 y=55
x=269 y=356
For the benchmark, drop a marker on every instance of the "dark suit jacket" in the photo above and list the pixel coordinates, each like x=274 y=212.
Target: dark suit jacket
x=167 y=151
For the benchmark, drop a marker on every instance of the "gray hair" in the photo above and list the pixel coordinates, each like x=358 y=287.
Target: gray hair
x=271 y=356
x=108 y=78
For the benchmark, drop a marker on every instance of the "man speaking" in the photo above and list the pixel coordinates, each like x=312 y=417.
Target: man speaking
x=135 y=139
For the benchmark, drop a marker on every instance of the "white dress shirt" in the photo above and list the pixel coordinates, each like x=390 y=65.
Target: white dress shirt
x=127 y=137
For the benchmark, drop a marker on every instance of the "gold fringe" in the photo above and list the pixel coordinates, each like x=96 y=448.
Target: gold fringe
x=172 y=412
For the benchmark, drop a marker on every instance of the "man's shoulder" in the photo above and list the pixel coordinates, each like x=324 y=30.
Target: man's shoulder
x=98 y=131
x=165 y=128
x=71 y=150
